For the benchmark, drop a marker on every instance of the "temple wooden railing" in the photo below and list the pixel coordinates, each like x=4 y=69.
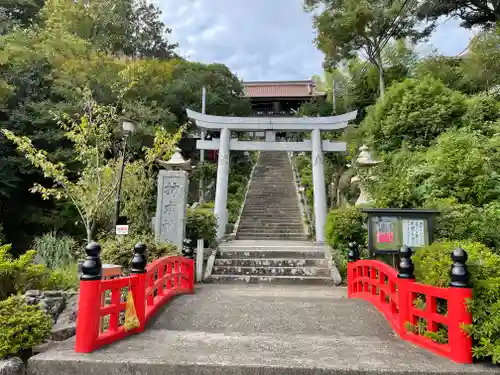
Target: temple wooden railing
x=428 y=316
x=149 y=285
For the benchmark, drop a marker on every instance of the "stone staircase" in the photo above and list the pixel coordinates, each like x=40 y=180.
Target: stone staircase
x=272 y=210
x=272 y=262
x=271 y=245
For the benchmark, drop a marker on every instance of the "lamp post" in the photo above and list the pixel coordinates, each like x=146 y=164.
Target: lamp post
x=128 y=128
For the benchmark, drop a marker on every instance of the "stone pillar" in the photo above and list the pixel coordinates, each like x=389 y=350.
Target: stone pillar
x=220 y=210
x=320 y=209
x=171 y=203
x=276 y=107
x=270 y=136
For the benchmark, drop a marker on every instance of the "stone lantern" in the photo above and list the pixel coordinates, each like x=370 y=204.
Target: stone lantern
x=176 y=162
x=365 y=162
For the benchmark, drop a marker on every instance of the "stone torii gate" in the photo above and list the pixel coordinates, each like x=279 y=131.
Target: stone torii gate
x=271 y=125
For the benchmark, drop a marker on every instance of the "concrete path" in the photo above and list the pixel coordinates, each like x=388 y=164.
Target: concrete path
x=257 y=330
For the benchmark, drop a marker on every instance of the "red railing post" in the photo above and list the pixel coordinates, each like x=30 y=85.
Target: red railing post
x=351 y=278
x=352 y=258
x=87 y=323
x=190 y=274
x=406 y=277
x=458 y=314
x=138 y=285
x=460 y=342
x=405 y=304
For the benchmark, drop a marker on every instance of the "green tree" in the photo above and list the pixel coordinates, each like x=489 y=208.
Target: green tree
x=448 y=69
x=22 y=13
x=92 y=138
x=482 y=61
x=412 y=114
x=347 y=27
x=473 y=13
x=122 y=27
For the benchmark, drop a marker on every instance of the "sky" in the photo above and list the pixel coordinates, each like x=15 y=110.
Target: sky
x=266 y=39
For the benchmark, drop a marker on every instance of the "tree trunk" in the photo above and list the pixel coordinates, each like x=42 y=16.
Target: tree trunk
x=381 y=77
x=91 y=228
x=381 y=82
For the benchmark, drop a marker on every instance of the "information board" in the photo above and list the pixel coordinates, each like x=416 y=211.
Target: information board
x=414 y=233
x=389 y=229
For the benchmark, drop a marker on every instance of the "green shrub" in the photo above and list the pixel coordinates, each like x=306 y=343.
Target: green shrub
x=483 y=113
x=210 y=205
x=458 y=221
x=20 y=274
x=56 y=251
x=121 y=253
x=201 y=224
x=432 y=266
x=491 y=225
x=21 y=326
x=63 y=278
x=345 y=225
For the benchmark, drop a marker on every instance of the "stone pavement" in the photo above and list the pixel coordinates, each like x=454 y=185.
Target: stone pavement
x=257 y=330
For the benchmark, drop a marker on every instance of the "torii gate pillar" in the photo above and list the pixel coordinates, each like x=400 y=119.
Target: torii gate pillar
x=318 y=170
x=220 y=209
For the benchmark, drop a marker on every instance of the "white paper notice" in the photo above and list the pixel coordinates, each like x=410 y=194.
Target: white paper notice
x=122 y=229
x=414 y=233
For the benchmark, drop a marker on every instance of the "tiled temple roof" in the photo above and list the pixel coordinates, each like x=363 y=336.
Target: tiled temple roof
x=280 y=89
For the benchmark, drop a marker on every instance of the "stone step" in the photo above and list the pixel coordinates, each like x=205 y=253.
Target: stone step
x=264 y=190
x=270 y=197
x=273 y=214
x=265 y=229
x=253 y=253
x=271 y=236
x=275 y=280
x=265 y=209
x=273 y=217
x=271 y=201
x=250 y=225
x=271 y=262
x=271 y=220
x=271 y=271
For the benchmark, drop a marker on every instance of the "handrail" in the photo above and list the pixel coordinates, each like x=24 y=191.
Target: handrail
x=242 y=207
x=298 y=184
x=151 y=286
x=396 y=298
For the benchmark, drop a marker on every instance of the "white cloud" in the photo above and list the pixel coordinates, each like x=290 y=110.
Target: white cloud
x=264 y=39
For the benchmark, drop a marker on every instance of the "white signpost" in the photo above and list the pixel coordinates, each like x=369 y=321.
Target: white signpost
x=271 y=125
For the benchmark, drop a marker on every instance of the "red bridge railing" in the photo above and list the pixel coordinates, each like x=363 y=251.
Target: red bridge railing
x=151 y=286
x=428 y=316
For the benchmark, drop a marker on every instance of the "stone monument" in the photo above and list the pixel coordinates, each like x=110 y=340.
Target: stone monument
x=171 y=212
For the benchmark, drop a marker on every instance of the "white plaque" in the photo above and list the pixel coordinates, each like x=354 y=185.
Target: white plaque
x=122 y=229
x=414 y=233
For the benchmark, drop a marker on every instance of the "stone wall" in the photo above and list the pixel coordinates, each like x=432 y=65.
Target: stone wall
x=61 y=306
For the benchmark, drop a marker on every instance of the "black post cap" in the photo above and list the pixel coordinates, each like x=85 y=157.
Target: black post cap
x=459 y=272
x=92 y=266
x=353 y=253
x=140 y=260
x=406 y=267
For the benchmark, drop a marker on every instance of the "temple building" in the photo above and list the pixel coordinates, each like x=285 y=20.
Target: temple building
x=279 y=98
